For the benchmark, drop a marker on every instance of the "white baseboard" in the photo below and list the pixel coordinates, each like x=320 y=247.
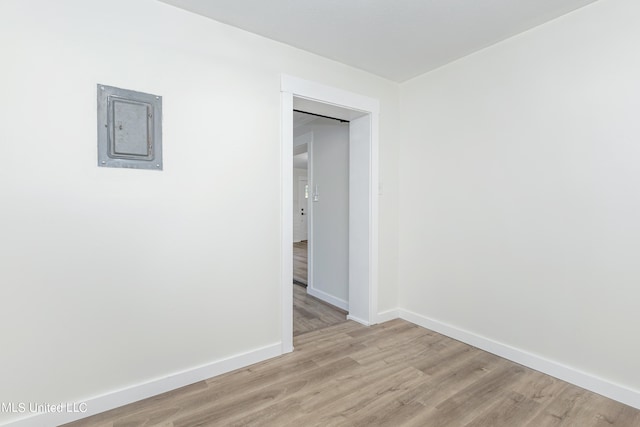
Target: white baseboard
x=359 y=320
x=337 y=302
x=381 y=317
x=141 y=391
x=566 y=373
x=385 y=316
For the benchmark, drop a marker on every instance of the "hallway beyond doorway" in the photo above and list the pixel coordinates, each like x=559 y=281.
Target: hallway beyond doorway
x=300 y=259
x=311 y=314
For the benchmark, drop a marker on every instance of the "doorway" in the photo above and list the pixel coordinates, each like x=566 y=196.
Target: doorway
x=320 y=200
x=363 y=114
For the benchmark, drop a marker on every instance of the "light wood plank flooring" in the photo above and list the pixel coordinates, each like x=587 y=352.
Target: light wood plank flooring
x=310 y=314
x=393 y=374
x=300 y=260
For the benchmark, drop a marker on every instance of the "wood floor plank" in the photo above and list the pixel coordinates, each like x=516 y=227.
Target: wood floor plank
x=393 y=413
x=381 y=396
x=462 y=371
x=339 y=390
x=524 y=399
x=357 y=402
x=297 y=403
x=231 y=407
x=562 y=410
x=469 y=403
x=538 y=386
x=310 y=314
x=508 y=411
x=300 y=260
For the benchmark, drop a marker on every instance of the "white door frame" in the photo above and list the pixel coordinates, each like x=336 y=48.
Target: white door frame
x=309 y=215
x=368 y=297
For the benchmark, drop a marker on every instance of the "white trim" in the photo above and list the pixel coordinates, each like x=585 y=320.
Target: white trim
x=310 y=235
x=115 y=399
x=357 y=319
x=374 y=215
x=550 y=367
x=330 y=299
x=328 y=95
x=286 y=222
x=385 y=316
x=361 y=200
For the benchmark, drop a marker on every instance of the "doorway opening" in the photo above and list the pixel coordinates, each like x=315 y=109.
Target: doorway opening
x=320 y=221
x=362 y=112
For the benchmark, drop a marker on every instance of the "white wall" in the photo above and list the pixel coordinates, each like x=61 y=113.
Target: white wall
x=520 y=193
x=330 y=217
x=115 y=277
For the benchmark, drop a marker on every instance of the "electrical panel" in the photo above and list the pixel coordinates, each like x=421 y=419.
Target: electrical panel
x=129 y=129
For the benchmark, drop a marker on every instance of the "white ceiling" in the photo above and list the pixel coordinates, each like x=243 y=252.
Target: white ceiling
x=395 y=39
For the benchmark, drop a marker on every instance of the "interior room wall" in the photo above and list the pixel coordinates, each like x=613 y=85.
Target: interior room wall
x=331 y=210
x=519 y=193
x=116 y=277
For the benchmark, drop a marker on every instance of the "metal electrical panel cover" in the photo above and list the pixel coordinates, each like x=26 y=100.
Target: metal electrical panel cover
x=129 y=129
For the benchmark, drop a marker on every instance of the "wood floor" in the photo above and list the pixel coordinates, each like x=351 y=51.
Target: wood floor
x=311 y=314
x=392 y=374
x=300 y=262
